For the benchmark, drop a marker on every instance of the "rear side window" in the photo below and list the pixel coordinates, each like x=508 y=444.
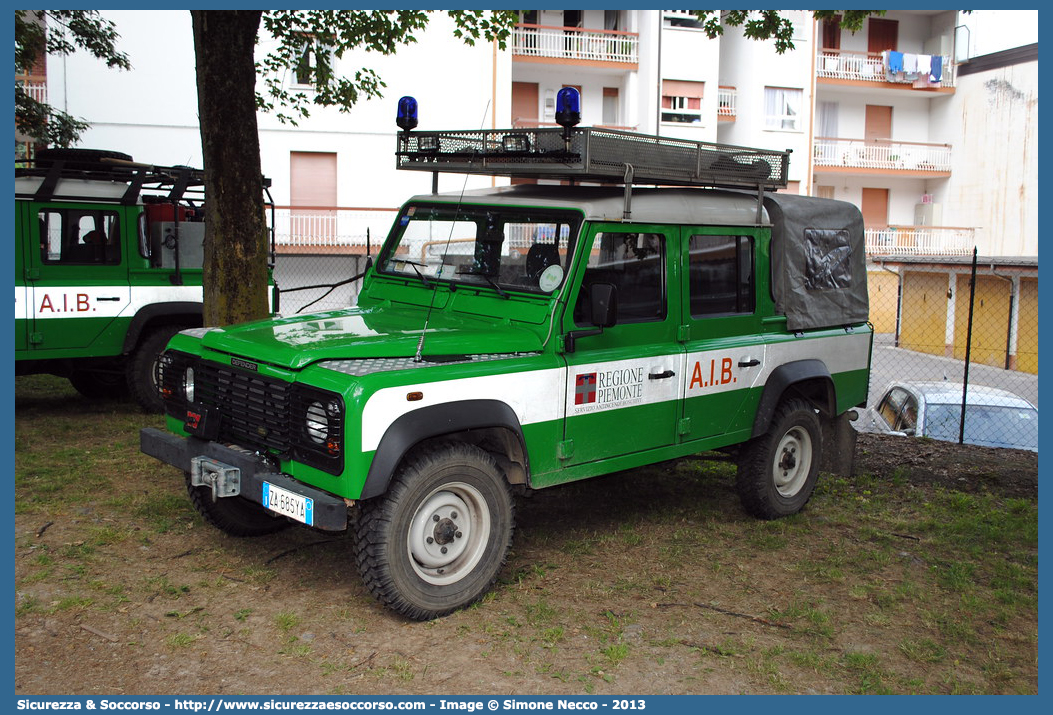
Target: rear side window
x=83 y=237
x=720 y=275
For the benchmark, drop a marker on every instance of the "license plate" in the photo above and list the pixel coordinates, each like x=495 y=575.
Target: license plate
x=286 y=503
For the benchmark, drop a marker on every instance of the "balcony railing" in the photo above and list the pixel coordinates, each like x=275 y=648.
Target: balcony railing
x=871 y=67
x=535 y=123
x=575 y=43
x=726 y=97
x=882 y=155
x=36 y=90
x=919 y=241
x=337 y=230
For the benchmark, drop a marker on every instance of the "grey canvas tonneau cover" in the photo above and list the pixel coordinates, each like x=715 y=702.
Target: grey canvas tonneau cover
x=819 y=275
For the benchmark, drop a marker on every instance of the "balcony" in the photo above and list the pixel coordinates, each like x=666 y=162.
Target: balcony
x=536 y=123
x=36 y=90
x=881 y=156
x=540 y=43
x=726 y=97
x=919 y=241
x=872 y=67
x=323 y=229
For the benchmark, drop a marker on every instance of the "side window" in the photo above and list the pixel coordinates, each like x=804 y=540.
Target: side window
x=908 y=416
x=635 y=264
x=891 y=405
x=720 y=275
x=71 y=236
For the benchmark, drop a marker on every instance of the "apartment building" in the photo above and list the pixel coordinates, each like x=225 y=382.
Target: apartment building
x=874 y=117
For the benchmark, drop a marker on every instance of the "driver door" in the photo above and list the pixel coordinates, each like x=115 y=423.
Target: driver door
x=623 y=383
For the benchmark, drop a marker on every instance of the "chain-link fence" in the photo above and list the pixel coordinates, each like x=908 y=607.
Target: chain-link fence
x=954 y=336
x=321 y=252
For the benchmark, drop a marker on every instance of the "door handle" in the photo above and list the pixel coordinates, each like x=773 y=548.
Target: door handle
x=660 y=375
x=749 y=363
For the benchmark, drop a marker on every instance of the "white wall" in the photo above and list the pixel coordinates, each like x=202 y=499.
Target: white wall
x=750 y=66
x=159 y=92
x=993 y=120
x=150 y=112
x=689 y=55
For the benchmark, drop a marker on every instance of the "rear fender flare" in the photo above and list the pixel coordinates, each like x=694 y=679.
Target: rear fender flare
x=810 y=374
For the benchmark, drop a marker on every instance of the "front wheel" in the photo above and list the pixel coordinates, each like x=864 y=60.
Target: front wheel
x=437 y=539
x=778 y=470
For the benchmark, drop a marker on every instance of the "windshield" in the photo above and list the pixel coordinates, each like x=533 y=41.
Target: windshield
x=483 y=246
x=987 y=425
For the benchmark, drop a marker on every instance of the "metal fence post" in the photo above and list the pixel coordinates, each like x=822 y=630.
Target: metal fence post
x=968 y=348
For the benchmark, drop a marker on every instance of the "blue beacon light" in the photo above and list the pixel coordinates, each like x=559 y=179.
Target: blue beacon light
x=568 y=109
x=407 y=114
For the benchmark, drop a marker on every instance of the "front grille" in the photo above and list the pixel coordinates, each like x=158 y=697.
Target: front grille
x=254 y=410
x=260 y=413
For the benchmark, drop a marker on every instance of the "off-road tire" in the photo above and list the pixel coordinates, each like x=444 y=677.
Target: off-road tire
x=140 y=372
x=455 y=495
x=233 y=515
x=103 y=385
x=778 y=470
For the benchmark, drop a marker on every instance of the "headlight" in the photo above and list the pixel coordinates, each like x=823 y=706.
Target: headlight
x=317 y=423
x=188 y=384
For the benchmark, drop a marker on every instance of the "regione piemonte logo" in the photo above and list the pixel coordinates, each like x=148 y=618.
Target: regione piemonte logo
x=585 y=388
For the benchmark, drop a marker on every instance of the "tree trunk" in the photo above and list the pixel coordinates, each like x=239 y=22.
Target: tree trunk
x=235 y=270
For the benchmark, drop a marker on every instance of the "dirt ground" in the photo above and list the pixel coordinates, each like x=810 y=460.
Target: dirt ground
x=634 y=583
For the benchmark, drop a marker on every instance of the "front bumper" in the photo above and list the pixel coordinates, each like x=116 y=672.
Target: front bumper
x=330 y=512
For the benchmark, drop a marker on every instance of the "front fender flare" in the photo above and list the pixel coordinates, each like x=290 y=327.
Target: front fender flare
x=428 y=422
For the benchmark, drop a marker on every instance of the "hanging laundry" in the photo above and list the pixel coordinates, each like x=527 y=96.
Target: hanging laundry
x=895 y=61
x=936 y=72
x=910 y=63
x=924 y=65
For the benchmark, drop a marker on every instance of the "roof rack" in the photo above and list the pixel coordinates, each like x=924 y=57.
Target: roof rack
x=52 y=166
x=592 y=155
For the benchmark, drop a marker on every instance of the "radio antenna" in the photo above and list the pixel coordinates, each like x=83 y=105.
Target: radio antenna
x=419 y=357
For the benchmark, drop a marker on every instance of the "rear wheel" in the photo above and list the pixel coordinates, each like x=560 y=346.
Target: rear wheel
x=233 y=515
x=141 y=372
x=99 y=384
x=437 y=539
x=778 y=470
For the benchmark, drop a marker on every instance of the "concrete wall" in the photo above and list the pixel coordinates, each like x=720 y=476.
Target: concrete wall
x=993 y=123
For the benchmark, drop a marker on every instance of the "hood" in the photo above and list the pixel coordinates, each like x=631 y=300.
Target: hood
x=352 y=333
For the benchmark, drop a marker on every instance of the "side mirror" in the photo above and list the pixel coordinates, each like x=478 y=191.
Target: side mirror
x=603 y=299
x=604 y=304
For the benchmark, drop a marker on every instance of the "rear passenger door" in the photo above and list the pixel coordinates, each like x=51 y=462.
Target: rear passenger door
x=78 y=276
x=623 y=384
x=725 y=344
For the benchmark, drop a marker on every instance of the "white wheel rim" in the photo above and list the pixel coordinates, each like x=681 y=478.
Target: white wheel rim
x=793 y=461
x=448 y=533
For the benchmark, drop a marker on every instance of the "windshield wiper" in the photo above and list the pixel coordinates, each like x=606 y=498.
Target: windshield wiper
x=486 y=277
x=413 y=265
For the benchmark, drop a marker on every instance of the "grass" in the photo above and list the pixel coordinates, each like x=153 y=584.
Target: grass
x=880 y=585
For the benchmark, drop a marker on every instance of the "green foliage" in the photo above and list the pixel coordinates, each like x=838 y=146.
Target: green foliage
x=771 y=25
x=58 y=32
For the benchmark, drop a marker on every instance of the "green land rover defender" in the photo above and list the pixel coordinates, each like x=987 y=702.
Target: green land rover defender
x=108 y=256
x=526 y=336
